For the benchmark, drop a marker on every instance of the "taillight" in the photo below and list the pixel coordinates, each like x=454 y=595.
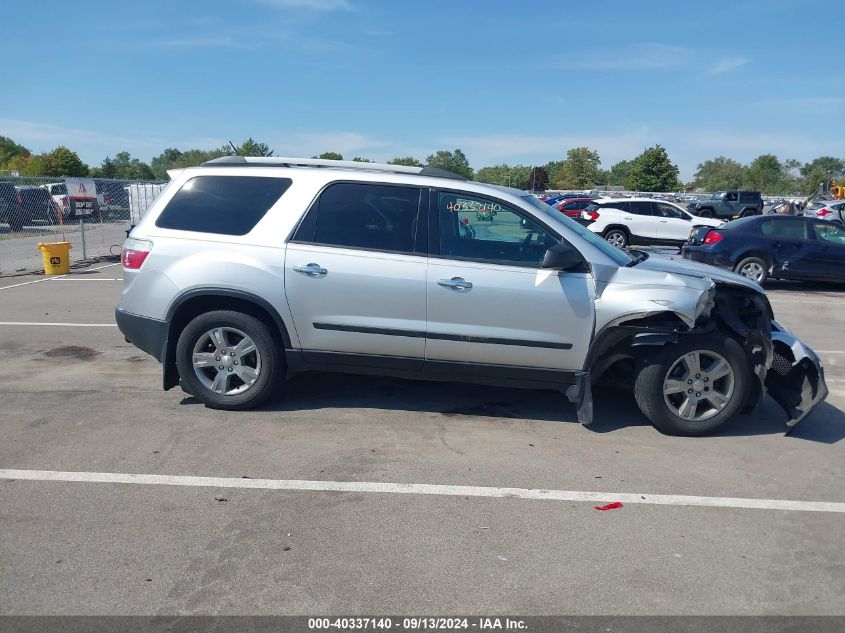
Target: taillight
x=589 y=215
x=823 y=212
x=134 y=253
x=64 y=201
x=712 y=237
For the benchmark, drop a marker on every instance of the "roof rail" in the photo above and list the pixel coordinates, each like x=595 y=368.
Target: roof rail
x=282 y=161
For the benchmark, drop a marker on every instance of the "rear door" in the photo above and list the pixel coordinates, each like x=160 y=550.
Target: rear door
x=642 y=222
x=355 y=275
x=489 y=302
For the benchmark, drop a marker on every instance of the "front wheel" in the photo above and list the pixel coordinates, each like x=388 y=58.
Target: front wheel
x=693 y=387
x=617 y=237
x=229 y=360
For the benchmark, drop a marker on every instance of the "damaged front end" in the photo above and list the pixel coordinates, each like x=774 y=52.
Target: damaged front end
x=660 y=306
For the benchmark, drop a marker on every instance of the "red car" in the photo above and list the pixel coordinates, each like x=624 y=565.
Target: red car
x=572 y=207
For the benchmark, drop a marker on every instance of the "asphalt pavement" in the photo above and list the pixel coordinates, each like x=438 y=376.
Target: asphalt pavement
x=444 y=511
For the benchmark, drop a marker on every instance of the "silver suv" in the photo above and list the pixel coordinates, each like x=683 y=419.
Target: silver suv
x=248 y=270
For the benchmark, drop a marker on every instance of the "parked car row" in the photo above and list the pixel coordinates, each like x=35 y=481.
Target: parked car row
x=50 y=204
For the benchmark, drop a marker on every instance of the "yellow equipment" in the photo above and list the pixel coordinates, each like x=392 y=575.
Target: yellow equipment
x=837 y=191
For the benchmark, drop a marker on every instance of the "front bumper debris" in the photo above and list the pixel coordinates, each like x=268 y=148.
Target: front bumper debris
x=795 y=379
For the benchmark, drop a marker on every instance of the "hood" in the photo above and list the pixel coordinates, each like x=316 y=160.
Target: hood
x=663 y=264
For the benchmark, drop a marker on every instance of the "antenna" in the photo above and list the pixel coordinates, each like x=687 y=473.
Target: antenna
x=237 y=153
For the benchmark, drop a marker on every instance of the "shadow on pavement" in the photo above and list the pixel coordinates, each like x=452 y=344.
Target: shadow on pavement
x=615 y=408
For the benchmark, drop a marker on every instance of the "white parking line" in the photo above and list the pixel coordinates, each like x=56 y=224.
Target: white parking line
x=81 y=279
x=423 y=489
x=27 y=324
x=56 y=278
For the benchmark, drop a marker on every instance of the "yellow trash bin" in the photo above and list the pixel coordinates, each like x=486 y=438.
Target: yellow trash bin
x=56 y=257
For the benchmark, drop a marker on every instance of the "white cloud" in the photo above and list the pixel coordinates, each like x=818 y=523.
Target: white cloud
x=652 y=56
x=346 y=143
x=726 y=64
x=92 y=146
x=316 y=5
x=498 y=148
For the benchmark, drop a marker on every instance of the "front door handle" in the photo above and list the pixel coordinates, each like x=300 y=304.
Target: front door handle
x=312 y=270
x=455 y=282
x=663 y=221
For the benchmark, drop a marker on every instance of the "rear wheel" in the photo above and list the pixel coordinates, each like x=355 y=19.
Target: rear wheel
x=753 y=268
x=693 y=387
x=16 y=224
x=229 y=360
x=617 y=237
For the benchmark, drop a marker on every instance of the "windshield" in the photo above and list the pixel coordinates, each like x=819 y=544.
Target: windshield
x=617 y=255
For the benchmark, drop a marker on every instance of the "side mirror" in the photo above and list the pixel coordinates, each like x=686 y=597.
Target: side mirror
x=562 y=257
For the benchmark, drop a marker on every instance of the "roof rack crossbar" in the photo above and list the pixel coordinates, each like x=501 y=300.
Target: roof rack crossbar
x=282 y=161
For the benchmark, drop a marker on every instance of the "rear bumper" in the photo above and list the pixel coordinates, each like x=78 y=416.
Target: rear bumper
x=703 y=255
x=148 y=335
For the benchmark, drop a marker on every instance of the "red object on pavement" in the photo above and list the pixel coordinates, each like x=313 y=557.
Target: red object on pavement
x=610 y=506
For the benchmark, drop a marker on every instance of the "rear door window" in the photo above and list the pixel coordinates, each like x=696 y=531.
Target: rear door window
x=787 y=229
x=641 y=208
x=227 y=205
x=622 y=205
x=364 y=216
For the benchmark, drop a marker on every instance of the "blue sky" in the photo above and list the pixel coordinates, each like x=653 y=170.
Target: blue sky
x=505 y=81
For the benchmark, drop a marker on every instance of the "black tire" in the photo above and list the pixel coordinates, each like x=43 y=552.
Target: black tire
x=621 y=237
x=268 y=351
x=705 y=213
x=16 y=224
x=652 y=371
x=753 y=263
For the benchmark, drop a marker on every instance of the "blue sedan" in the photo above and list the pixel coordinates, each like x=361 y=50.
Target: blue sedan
x=769 y=246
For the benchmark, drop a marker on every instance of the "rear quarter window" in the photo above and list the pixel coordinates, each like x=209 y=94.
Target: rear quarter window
x=227 y=205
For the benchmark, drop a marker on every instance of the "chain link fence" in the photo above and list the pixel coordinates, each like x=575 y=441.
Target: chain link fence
x=92 y=214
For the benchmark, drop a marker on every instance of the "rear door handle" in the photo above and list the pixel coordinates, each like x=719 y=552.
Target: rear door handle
x=455 y=282
x=663 y=221
x=629 y=218
x=312 y=270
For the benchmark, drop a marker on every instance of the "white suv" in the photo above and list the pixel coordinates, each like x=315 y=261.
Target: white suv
x=247 y=270
x=644 y=221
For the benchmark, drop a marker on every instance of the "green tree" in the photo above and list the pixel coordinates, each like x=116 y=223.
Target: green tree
x=10 y=151
x=653 y=171
x=619 y=174
x=816 y=176
x=251 y=147
x=505 y=175
x=537 y=180
x=358 y=159
x=172 y=158
x=455 y=161
x=329 y=156
x=765 y=174
x=408 y=161
x=580 y=170
x=164 y=161
x=106 y=170
x=63 y=162
x=719 y=173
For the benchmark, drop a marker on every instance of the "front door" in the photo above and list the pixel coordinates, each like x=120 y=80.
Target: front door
x=355 y=278
x=830 y=250
x=489 y=302
x=674 y=223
